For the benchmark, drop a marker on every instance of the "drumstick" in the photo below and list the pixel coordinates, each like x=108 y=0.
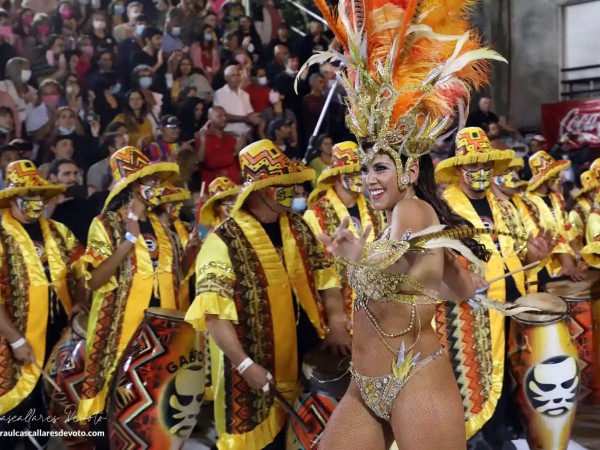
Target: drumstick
x=200 y=203
x=47 y=377
x=288 y=408
x=520 y=269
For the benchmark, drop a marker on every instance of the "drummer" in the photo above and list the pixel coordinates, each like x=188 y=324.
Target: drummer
x=338 y=195
x=578 y=216
x=130 y=264
x=258 y=277
x=40 y=282
x=490 y=414
x=222 y=193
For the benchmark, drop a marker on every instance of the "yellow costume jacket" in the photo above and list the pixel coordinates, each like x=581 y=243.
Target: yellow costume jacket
x=578 y=218
x=241 y=277
x=591 y=251
x=476 y=337
x=327 y=214
x=118 y=306
x=24 y=293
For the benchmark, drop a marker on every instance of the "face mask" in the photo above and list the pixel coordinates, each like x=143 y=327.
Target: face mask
x=508 y=181
x=208 y=38
x=25 y=75
x=139 y=29
x=176 y=31
x=115 y=89
x=27 y=20
x=6 y=31
x=145 y=82
x=50 y=100
x=331 y=83
x=299 y=204
x=274 y=97
x=88 y=50
x=152 y=195
x=291 y=72
x=119 y=10
x=44 y=30
x=32 y=209
x=262 y=81
x=283 y=195
x=99 y=24
x=134 y=16
x=478 y=180
x=66 y=13
x=66 y=130
x=353 y=182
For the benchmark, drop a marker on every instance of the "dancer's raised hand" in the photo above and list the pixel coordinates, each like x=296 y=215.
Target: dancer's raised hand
x=343 y=243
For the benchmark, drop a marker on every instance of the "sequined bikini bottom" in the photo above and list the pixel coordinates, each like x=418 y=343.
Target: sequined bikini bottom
x=379 y=393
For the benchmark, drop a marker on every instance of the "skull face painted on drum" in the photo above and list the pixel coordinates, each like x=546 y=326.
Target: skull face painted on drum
x=552 y=386
x=185 y=400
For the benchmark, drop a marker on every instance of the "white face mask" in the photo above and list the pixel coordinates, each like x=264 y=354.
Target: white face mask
x=176 y=31
x=139 y=29
x=99 y=24
x=299 y=204
x=290 y=71
x=274 y=97
x=65 y=130
x=25 y=75
x=262 y=81
x=145 y=82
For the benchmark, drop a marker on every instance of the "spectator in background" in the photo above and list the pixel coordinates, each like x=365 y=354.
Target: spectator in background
x=249 y=38
x=135 y=117
x=241 y=117
x=231 y=44
x=268 y=19
x=71 y=207
x=203 y=52
x=216 y=149
x=7 y=50
x=7 y=125
x=258 y=89
x=276 y=111
x=279 y=132
x=151 y=54
x=98 y=32
x=483 y=116
x=103 y=62
x=107 y=98
x=127 y=30
x=41 y=29
x=143 y=78
x=572 y=147
x=61 y=147
x=169 y=145
x=171 y=40
x=186 y=77
x=116 y=13
x=8 y=154
x=17 y=75
x=314 y=103
x=282 y=38
x=40 y=120
x=279 y=53
x=24 y=41
x=163 y=7
x=51 y=62
x=313 y=42
x=537 y=143
x=189 y=17
x=192 y=117
x=284 y=84
x=231 y=14
x=324 y=145
x=111 y=142
x=40 y=6
x=506 y=138
x=128 y=48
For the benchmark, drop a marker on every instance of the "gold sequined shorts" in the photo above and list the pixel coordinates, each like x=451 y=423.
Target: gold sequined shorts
x=379 y=393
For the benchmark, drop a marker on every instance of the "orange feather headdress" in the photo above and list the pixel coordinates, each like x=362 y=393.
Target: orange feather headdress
x=406 y=64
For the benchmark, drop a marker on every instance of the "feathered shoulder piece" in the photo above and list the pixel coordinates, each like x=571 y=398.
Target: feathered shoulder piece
x=406 y=63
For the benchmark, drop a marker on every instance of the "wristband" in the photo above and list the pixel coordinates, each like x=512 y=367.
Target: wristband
x=130 y=237
x=18 y=343
x=244 y=365
x=133 y=216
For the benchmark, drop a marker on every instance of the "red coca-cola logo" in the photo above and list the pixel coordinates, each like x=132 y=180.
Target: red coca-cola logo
x=577 y=120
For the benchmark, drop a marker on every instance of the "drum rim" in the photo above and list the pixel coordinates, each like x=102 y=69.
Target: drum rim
x=165 y=313
x=75 y=319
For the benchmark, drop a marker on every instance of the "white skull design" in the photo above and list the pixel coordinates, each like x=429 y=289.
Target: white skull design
x=552 y=386
x=187 y=400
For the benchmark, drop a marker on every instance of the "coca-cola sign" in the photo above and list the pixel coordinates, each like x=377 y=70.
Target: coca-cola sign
x=572 y=117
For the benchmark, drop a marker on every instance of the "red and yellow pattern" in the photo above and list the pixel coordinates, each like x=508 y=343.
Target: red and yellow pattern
x=543 y=168
x=218 y=189
x=22 y=178
x=472 y=146
x=263 y=164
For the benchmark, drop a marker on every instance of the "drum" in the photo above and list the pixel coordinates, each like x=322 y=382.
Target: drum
x=544 y=365
x=326 y=380
x=583 y=298
x=66 y=367
x=158 y=388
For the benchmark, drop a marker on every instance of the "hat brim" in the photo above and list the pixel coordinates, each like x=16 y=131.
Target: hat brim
x=327 y=179
x=289 y=179
x=46 y=192
x=585 y=190
x=180 y=196
x=207 y=213
x=164 y=170
x=554 y=169
x=517 y=164
x=445 y=171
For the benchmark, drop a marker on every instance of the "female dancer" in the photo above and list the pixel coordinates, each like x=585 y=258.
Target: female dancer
x=408 y=64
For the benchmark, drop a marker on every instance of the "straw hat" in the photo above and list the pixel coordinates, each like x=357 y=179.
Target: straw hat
x=544 y=167
x=218 y=189
x=343 y=161
x=22 y=178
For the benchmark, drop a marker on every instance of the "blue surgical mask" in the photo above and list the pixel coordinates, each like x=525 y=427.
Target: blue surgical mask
x=65 y=130
x=176 y=31
x=208 y=37
x=145 y=82
x=115 y=89
x=139 y=29
x=119 y=10
x=299 y=204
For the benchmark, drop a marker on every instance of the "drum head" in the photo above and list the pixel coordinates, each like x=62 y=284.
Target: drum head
x=79 y=324
x=577 y=291
x=552 y=309
x=165 y=313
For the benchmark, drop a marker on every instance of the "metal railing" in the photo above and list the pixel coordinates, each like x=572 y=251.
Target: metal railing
x=580 y=82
